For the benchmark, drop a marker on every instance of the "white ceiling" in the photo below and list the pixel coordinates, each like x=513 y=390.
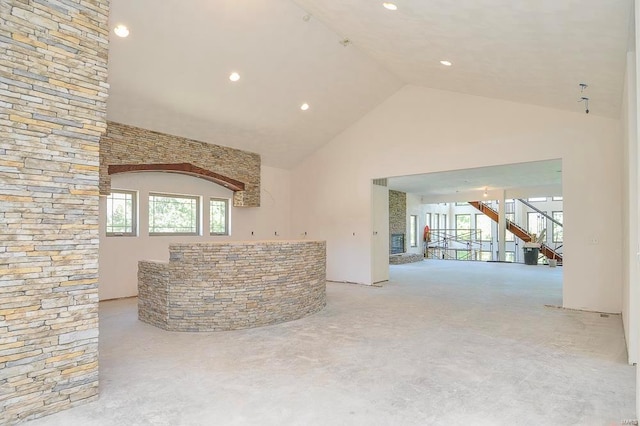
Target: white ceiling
x=508 y=177
x=171 y=73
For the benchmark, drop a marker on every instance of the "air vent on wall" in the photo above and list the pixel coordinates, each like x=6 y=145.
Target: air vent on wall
x=380 y=182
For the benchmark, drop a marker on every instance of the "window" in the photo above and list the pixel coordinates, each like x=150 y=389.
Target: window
x=463 y=255
x=174 y=214
x=436 y=220
x=485 y=256
x=508 y=236
x=121 y=213
x=464 y=203
x=510 y=256
x=413 y=230
x=218 y=216
x=557 y=198
x=536 y=224
x=427 y=220
x=555 y=228
x=463 y=226
x=444 y=221
x=483 y=227
x=534 y=199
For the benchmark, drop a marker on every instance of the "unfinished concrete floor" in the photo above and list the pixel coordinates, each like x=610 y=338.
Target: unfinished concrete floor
x=443 y=343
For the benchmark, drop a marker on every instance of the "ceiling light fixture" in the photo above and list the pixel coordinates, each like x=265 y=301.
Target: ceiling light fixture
x=304 y=106
x=121 y=30
x=486 y=194
x=446 y=63
x=234 y=76
x=390 y=6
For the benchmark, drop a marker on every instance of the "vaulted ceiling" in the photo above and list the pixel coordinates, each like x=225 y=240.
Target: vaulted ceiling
x=171 y=73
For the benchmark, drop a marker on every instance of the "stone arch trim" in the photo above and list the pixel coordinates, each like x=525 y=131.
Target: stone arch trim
x=124 y=145
x=182 y=168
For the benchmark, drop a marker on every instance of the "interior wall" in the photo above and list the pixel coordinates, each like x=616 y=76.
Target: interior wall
x=633 y=99
x=630 y=211
x=414 y=207
x=380 y=246
x=398 y=216
x=421 y=130
x=119 y=256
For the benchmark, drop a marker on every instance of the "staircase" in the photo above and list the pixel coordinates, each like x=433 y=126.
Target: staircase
x=516 y=230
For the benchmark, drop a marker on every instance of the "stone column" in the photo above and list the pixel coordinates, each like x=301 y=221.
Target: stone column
x=53 y=90
x=502 y=227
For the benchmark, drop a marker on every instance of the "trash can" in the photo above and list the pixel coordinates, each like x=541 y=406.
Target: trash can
x=531 y=253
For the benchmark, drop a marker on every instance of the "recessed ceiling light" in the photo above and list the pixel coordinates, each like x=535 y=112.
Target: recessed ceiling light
x=121 y=30
x=446 y=63
x=304 y=106
x=390 y=6
x=234 y=76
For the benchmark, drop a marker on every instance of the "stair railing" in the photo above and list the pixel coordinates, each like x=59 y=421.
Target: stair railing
x=534 y=208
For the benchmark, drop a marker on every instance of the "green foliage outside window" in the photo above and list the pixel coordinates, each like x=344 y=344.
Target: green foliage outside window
x=173 y=214
x=218 y=216
x=121 y=213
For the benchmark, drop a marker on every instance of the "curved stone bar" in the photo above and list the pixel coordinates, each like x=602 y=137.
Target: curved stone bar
x=232 y=285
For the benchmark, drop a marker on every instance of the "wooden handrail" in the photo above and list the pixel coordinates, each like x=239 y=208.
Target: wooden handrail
x=516 y=230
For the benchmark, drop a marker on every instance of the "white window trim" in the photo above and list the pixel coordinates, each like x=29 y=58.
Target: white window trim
x=169 y=195
x=134 y=214
x=227 y=219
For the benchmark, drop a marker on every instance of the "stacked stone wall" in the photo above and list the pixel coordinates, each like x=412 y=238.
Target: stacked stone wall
x=401 y=259
x=53 y=90
x=124 y=144
x=233 y=285
x=397 y=215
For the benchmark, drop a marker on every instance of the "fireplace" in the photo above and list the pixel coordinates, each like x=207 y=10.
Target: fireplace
x=397 y=243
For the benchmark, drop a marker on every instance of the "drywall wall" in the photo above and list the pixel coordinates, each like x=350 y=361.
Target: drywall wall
x=119 y=256
x=380 y=244
x=414 y=208
x=420 y=130
x=630 y=211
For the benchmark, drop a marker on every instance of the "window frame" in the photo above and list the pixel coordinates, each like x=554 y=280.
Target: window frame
x=198 y=210
x=227 y=211
x=537 y=199
x=457 y=233
x=134 y=214
x=544 y=226
x=512 y=255
x=509 y=237
x=554 y=226
x=413 y=230
x=489 y=221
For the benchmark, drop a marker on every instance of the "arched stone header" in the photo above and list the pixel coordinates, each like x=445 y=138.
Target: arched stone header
x=131 y=147
x=182 y=168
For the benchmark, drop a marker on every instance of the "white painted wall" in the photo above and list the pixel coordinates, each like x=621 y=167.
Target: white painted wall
x=380 y=246
x=421 y=130
x=630 y=211
x=414 y=208
x=119 y=256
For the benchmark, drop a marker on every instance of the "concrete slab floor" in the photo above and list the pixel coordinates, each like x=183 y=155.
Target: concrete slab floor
x=443 y=343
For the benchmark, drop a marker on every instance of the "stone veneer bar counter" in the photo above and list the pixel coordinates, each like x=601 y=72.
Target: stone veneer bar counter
x=232 y=285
